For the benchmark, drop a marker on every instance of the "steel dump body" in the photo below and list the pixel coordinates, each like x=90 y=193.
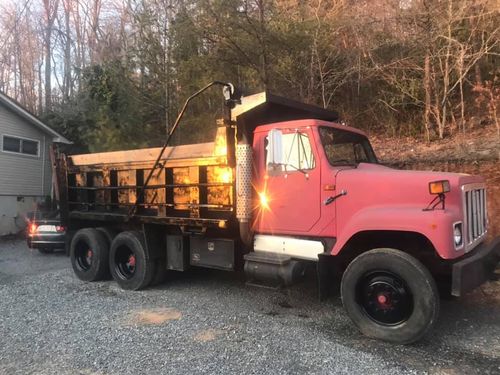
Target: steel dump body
x=194 y=186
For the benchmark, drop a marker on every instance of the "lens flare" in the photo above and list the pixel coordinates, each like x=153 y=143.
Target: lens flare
x=264 y=201
x=226 y=175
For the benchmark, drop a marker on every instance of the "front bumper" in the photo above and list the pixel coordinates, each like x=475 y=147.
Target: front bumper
x=472 y=271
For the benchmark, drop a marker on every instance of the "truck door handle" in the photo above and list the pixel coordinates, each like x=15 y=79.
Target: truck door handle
x=332 y=199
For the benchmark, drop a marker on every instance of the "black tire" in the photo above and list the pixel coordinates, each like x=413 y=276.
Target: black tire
x=45 y=250
x=130 y=264
x=110 y=234
x=89 y=254
x=390 y=295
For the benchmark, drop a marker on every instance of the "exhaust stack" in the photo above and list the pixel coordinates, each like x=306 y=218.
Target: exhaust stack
x=244 y=157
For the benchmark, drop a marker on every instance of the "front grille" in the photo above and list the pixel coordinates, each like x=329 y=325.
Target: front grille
x=475 y=220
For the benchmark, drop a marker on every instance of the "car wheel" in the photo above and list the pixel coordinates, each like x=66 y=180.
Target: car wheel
x=130 y=264
x=390 y=295
x=89 y=253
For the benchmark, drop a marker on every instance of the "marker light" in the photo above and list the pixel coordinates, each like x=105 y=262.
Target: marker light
x=439 y=187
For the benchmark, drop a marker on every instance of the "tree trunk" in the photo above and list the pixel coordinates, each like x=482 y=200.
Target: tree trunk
x=94 y=25
x=427 y=88
x=462 y=103
x=40 y=88
x=50 y=15
x=263 y=42
x=477 y=74
x=80 y=51
x=67 y=89
x=48 y=69
x=167 y=63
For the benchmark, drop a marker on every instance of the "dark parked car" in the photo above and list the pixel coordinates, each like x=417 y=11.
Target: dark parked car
x=45 y=234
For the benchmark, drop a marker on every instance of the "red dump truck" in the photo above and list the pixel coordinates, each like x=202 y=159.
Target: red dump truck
x=284 y=184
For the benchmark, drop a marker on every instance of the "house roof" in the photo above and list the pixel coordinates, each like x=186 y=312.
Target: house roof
x=31 y=118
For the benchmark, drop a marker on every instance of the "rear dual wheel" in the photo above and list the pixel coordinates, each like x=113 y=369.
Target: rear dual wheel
x=95 y=253
x=89 y=253
x=390 y=295
x=132 y=267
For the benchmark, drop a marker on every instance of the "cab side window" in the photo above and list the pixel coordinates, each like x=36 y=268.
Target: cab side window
x=297 y=154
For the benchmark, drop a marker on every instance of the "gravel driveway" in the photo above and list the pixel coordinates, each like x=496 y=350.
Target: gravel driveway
x=210 y=322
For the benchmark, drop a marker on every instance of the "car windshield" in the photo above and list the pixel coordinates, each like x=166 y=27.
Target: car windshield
x=345 y=147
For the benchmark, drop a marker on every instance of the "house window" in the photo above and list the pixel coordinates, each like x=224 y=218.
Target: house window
x=20 y=145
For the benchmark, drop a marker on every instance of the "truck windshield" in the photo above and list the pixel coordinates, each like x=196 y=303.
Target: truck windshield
x=345 y=147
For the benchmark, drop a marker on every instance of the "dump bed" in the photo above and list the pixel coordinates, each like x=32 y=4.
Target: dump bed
x=193 y=182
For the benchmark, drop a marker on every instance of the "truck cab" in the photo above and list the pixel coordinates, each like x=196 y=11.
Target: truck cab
x=323 y=181
x=298 y=192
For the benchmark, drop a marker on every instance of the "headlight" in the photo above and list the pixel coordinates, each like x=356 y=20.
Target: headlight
x=457 y=234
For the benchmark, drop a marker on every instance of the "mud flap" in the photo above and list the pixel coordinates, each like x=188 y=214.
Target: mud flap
x=156 y=240
x=328 y=276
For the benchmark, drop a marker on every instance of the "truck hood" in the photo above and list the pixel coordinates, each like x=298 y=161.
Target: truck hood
x=374 y=184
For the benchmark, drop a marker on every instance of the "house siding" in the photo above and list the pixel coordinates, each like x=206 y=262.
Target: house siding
x=23 y=175
x=13 y=212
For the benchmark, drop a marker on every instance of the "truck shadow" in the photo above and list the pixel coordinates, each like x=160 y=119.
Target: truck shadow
x=466 y=338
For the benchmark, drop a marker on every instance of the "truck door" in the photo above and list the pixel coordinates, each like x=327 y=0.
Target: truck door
x=290 y=191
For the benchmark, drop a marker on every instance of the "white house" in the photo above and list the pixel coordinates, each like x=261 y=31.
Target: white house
x=25 y=168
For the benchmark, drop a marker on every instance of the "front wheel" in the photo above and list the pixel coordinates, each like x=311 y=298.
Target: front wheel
x=390 y=295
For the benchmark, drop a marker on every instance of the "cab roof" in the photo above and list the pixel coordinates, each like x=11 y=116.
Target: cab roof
x=308 y=123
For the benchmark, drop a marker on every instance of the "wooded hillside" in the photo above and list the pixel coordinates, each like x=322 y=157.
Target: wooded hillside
x=112 y=74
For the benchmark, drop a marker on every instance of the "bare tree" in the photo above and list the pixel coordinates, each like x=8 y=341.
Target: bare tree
x=67 y=88
x=50 y=14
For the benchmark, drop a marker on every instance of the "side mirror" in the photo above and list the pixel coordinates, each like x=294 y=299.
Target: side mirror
x=274 y=147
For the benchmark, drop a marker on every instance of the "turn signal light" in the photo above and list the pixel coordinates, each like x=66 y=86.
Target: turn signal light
x=439 y=187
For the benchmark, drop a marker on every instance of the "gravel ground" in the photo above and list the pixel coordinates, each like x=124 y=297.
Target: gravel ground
x=210 y=322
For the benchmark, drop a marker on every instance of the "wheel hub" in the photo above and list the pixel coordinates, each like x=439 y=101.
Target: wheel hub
x=385 y=298
x=83 y=256
x=125 y=263
x=131 y=262
x=88 y=256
